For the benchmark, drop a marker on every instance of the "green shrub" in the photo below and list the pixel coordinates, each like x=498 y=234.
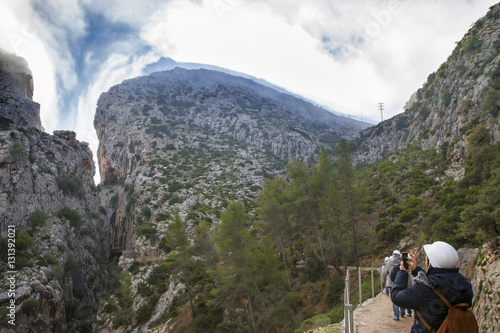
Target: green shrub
x=146 y=229
x=23 y=240
x=37 y=218
x=124 y=294
x=313 y=269
x=446 y=98
x=17 y=150
x=175 y=199
x=174 y=187
x=71 y=185
x=144 y=312
x=114 y=200
x=392 y=233
x=408 y=215
x=29 y=306
x=134 y=267
x=71 y=265
x=163 y=216
x=123 y=317
x=317 y=321
x=159 y=274
x=110 y=307
x=491 y=101
x=144 y=289
x=337 y=285
x=471 y=44
x=4 y=320
x=73 y=216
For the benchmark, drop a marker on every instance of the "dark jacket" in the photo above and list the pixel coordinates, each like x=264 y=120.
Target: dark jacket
x=420 y=296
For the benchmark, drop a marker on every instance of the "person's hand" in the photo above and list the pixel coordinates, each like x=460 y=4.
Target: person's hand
x=412 y=261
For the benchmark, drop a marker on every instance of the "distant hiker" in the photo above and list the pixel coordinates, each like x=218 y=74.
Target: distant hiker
x=390 y=269
x=303 y=258
x=440 y=284
x=386 y=260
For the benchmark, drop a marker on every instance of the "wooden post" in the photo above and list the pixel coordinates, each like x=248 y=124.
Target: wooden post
x=360 y=289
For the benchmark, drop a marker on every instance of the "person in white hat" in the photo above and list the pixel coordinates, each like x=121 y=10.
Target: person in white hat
x=393 y=262
x=441 y=274
x=386 y=260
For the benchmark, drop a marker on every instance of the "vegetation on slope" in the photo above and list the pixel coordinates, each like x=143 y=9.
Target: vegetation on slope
x=244 y=275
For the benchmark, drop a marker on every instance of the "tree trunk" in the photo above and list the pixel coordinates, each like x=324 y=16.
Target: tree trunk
x=190 y=299
x=335 y=261
x=284 y=259
x=251 y=313
x=321 y=246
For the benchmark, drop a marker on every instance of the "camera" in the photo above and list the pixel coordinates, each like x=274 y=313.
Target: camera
x=405 y=260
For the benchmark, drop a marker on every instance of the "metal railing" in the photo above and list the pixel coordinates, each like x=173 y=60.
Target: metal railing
x=348 y=307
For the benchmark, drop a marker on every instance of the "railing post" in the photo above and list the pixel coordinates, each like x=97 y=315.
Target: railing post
x=381 y=282
x=348 y=318
x=360 y=289
x=347 y=292
x=373 y=284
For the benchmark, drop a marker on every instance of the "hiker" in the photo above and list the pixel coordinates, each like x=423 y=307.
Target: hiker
x=303 y=258
x=442 y=275
x=386 y=260
x=391 y=267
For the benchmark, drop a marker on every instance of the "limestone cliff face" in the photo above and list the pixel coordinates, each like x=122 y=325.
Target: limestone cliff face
x=456 y=103
x=227 y=123
x=48 y=194
x=16 y=92
x=189 y=108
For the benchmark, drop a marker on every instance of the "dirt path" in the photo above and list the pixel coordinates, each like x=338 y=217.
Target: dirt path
x=375 y=316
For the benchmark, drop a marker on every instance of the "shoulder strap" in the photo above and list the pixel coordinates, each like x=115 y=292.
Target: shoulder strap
x=465 y=306
x=424 y=322
x=443 y=298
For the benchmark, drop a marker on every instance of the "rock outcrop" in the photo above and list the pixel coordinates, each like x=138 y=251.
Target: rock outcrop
x=48 y=200
x=16 y=92
x=455 y=105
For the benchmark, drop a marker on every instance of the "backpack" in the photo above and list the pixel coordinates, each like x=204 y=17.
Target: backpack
x=394 y=272
x=458 y=320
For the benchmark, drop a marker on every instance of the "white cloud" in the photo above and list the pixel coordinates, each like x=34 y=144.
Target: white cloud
x=117 y=68
x=345 y=55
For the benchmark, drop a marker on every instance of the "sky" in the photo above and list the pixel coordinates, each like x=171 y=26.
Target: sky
x=347 y=56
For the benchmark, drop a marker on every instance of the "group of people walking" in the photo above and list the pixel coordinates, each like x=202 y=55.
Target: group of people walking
x=429 y=292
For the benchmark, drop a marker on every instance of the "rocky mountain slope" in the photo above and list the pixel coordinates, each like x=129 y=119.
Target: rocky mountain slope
x=189 y=142
x=460 y=99
x=230 y=130
x=49 y=201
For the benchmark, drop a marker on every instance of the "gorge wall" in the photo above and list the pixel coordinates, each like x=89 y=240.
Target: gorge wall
x=48 y=195
x=459 y=100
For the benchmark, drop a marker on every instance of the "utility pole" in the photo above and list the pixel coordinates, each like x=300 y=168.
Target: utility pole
x=381 y=108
